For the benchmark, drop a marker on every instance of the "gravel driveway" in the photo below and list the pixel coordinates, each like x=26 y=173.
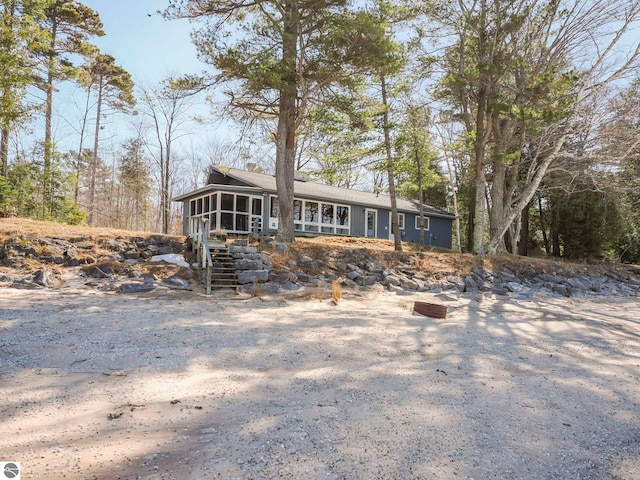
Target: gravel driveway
x=183 y=386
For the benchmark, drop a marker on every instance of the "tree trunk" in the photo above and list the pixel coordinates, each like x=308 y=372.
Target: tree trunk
x=523 y=243
x=94 y=160
x=545 y=238
x=286 y=130
x=4 y=152
x=497 y=202
x=76 y=189
x=48 y=124
x=421 y=197
x=166 y=204
x=397 y=239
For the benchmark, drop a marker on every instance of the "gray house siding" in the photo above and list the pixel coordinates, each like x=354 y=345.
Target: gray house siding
x=256 y=186
x=438 y=234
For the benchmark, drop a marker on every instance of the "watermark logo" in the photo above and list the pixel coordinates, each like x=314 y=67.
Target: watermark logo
x=10 y=470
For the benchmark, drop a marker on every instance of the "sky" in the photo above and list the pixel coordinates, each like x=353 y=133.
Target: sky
x=150 y=48
x=142 y=42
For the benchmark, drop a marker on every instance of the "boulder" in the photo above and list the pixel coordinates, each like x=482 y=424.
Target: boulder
x=176 y=282
x=136 y=287
x=42 y=278
x=99 y=271
x=252 y=276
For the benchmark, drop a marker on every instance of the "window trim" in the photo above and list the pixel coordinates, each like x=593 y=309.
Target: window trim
x=318 y=226
x=417 y=221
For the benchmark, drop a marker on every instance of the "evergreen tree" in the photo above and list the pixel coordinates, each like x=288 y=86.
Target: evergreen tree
x=280 y=56
x=114 y=88
x=67 y=25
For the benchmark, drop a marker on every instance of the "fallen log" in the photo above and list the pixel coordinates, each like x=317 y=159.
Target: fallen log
x=432 y=310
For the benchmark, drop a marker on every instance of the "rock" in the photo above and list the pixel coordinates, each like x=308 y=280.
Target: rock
x=157 y=240
x=305 y=260
x=481 y=273
x=113 y=245
x=470 y=285
x=57 y=259
x=506 y=277
x=131 y=254
x=233 y=249
x=288 y=285
x=131 y=273
x=391 y=280
x=281 y=247
x=354 y=275
x=149 y=278
x=14 y=261
x=246 y=264
x=547 y=277
x=367 y=280
x=178 y=247
x=577 y=283
x=176 y=282
x=514 y=287
x=165 y=250
x=455 y=283
x=24 y=284
x=136 y=287
x=173 y=258
x=561 y=289
x=252 y=276
x=304 y=278
x=500 y=290
x=41 y=277
x=279 y=277
x=6 y=278
x=99 y=271
x=410 y=284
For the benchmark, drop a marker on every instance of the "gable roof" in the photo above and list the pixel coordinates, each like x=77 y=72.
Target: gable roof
x=317 y=191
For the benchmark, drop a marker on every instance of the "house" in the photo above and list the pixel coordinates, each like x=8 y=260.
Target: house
x=242 y=202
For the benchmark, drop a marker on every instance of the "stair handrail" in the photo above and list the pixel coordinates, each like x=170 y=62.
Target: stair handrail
x=206 y=260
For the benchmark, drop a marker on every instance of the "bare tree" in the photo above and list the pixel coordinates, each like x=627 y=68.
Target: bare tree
x=167 y=106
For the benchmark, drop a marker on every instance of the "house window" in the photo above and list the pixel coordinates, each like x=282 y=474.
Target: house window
x=310 y=212
x=274 y=211
x=297 y=210
x=401 y=221
x=226 y=202
x=342 y=215
x=426 y=222
x=310 y=216
x=242 y=203
x=327 y=214
x=226 y=221
x=236 y=213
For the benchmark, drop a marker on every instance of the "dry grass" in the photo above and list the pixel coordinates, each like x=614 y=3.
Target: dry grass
x=24 y=227
x=336 y=291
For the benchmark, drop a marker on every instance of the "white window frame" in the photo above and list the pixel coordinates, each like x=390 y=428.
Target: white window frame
x=216 y=208
x=302 y=224
x=426 y=219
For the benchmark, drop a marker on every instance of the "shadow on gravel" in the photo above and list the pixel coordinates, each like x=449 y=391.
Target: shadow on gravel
x=168 y=389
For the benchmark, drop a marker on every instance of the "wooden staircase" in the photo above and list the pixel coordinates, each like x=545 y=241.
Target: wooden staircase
x=214 y=260
x=222 y=272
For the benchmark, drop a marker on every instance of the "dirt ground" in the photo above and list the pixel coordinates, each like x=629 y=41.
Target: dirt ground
x=176 y=385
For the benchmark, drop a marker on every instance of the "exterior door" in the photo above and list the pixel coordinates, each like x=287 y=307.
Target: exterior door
x=371 y=223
